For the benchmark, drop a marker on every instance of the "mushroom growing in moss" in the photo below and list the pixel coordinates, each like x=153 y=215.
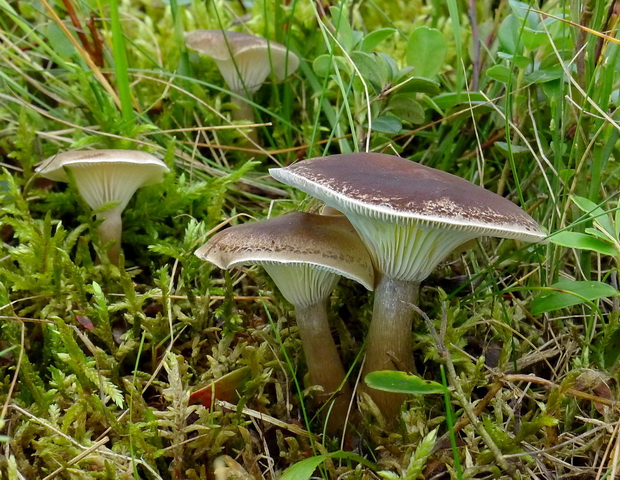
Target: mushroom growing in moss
x=106 y=177
x=305 y=255
x=245 y=61
x=410 y=217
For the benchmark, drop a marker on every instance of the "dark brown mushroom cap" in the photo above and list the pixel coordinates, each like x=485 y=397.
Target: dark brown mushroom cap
x=398 y=190
x=244 y=60
x=326 y=242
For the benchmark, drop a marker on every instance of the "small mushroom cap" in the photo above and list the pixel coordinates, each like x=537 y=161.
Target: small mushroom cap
x=244 y=60
x=323 y=242
x=105 y=176
x=398 y=190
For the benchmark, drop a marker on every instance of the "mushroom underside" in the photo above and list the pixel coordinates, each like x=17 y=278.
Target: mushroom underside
x=112 y=182
x=408 y=251
x=302 y=284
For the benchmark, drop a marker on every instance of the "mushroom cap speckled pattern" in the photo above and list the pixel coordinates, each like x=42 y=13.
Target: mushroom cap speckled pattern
x=398 y=190
x=244 y=60
x=327 y=242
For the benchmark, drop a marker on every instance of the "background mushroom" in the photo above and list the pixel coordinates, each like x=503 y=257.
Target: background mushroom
x=106 y=177
x=411 y=217
x=245 y=61
x=305 y=255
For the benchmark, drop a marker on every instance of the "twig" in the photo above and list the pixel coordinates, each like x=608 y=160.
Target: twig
x=549 y=384
x=77 y=458
x=266 y=418
x=478 y=409
x=97 y=42
x=605 y=455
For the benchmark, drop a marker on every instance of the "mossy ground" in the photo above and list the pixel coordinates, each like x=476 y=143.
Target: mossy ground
x=98 y=362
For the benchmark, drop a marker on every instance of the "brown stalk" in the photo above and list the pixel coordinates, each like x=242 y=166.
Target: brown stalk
x=97 y=42
x=84 y=54
x=78 y=27
x=614 y=8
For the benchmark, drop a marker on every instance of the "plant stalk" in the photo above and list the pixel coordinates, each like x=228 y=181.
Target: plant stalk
x=244 y=112
x=110 y=231
x=324 y=365
x=389 y=339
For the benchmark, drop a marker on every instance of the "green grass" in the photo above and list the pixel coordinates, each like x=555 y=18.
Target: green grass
x=97 y=363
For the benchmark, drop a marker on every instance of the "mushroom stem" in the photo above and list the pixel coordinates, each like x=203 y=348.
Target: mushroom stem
x=110 y=231
x=324 y=364
x=389 y=338
x=244 y=112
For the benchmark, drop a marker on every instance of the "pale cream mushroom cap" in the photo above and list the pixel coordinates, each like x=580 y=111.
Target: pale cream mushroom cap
x=244 y=60
x=105 y=176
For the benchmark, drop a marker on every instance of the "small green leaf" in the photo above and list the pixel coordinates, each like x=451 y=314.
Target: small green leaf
x=566 y=174
x=545 y=75
x=426 y=51
x=597 y=233
x=567 y=293
x=388 y=63
x=406 y=108
x=501 y=73
x=509 y=34
x=449 y=100
x=375 y=37
x=519 y=61
x=524 y=12
x=324 y=64
x=59 y=41
x=387 y=475
x=387 y=124
x=370 y=69
x=595 y=212
x=583 y=241
x=303 y=470
x=416 y=84
x=533 y=38
x=344 y=31
x=516 y=149
x=401 y=382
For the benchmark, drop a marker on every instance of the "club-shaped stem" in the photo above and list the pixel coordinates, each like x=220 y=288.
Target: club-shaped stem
x=324 y=364
x=389 y=338
x=110 y=231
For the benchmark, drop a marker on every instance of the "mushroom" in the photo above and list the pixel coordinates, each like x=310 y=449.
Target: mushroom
x=245 y=62
x=410 y=217
x=104 y=177
x=305 y=255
